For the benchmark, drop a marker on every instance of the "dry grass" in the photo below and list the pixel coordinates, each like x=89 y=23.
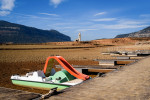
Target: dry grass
x=68 y=54
x=34 y=46
x=42 y=54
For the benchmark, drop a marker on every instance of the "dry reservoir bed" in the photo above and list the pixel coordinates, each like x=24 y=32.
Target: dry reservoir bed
x=23 y=61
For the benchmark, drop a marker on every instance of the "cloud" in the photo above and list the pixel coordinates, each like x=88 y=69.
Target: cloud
x=4 y=13
x=132 y=22
x=101 y=13
x=105 y=19
x=49 y=14
x=37 y=17
x=55 y=2
x=7 y=4
x=27 y=16
x=123 y=26
x=145 y=15
x=83 y=30
x=6 y=7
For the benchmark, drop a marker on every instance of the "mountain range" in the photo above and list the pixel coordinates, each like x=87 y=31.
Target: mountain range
x=16 y=33
x=142 y=33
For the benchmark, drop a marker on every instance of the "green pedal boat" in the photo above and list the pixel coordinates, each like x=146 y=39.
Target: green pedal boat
x=48 y=78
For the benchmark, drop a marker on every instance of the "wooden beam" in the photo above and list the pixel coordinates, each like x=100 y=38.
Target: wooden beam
x=101 y=70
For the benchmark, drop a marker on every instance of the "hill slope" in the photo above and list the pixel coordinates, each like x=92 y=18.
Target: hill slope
x=15 y=33
x=142 y=33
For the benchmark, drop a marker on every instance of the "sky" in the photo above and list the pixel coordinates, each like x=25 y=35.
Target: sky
x=94 y=19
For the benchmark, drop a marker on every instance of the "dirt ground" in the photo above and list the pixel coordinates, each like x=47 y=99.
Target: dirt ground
x=131 y=82
x=23 y=61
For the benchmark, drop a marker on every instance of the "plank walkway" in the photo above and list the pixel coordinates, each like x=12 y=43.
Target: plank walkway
x=114 y=62
x=129 y=57
x=13 y=94
x=91 y=66
x=115 y=59
x=131 y=82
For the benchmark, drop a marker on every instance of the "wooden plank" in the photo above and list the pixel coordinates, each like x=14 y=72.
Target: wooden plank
x=115 y=60
x=91 y=67
x=101 y=70
x=137 y=57
x=129 y=57
x=106 y=64
x=123 y=62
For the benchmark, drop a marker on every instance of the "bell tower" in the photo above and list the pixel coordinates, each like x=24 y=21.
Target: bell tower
x=79 y=36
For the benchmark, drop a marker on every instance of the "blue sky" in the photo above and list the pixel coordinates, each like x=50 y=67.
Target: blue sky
x=95 y=19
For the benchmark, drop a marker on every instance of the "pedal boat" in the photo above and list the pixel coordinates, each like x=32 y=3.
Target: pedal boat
x=48 y=78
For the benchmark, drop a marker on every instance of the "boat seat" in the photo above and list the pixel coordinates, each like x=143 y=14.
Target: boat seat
x=41 y=73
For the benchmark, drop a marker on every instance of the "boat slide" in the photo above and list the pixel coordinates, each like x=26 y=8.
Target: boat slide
x=66 y=66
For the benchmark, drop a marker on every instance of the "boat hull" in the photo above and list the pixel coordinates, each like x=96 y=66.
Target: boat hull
x=40 y=85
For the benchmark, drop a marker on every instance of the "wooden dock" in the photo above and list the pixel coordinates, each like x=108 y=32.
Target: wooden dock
x=129 y=83
x=128 y=53
x=86 y=69
x=91 y=66
x=101 y=70
x=114 y=62
x=129 y=57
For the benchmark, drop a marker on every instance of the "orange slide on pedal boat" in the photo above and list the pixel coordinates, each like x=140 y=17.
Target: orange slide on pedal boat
x=66 y=66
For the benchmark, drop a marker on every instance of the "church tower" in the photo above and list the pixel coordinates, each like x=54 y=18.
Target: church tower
x=79 y=36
